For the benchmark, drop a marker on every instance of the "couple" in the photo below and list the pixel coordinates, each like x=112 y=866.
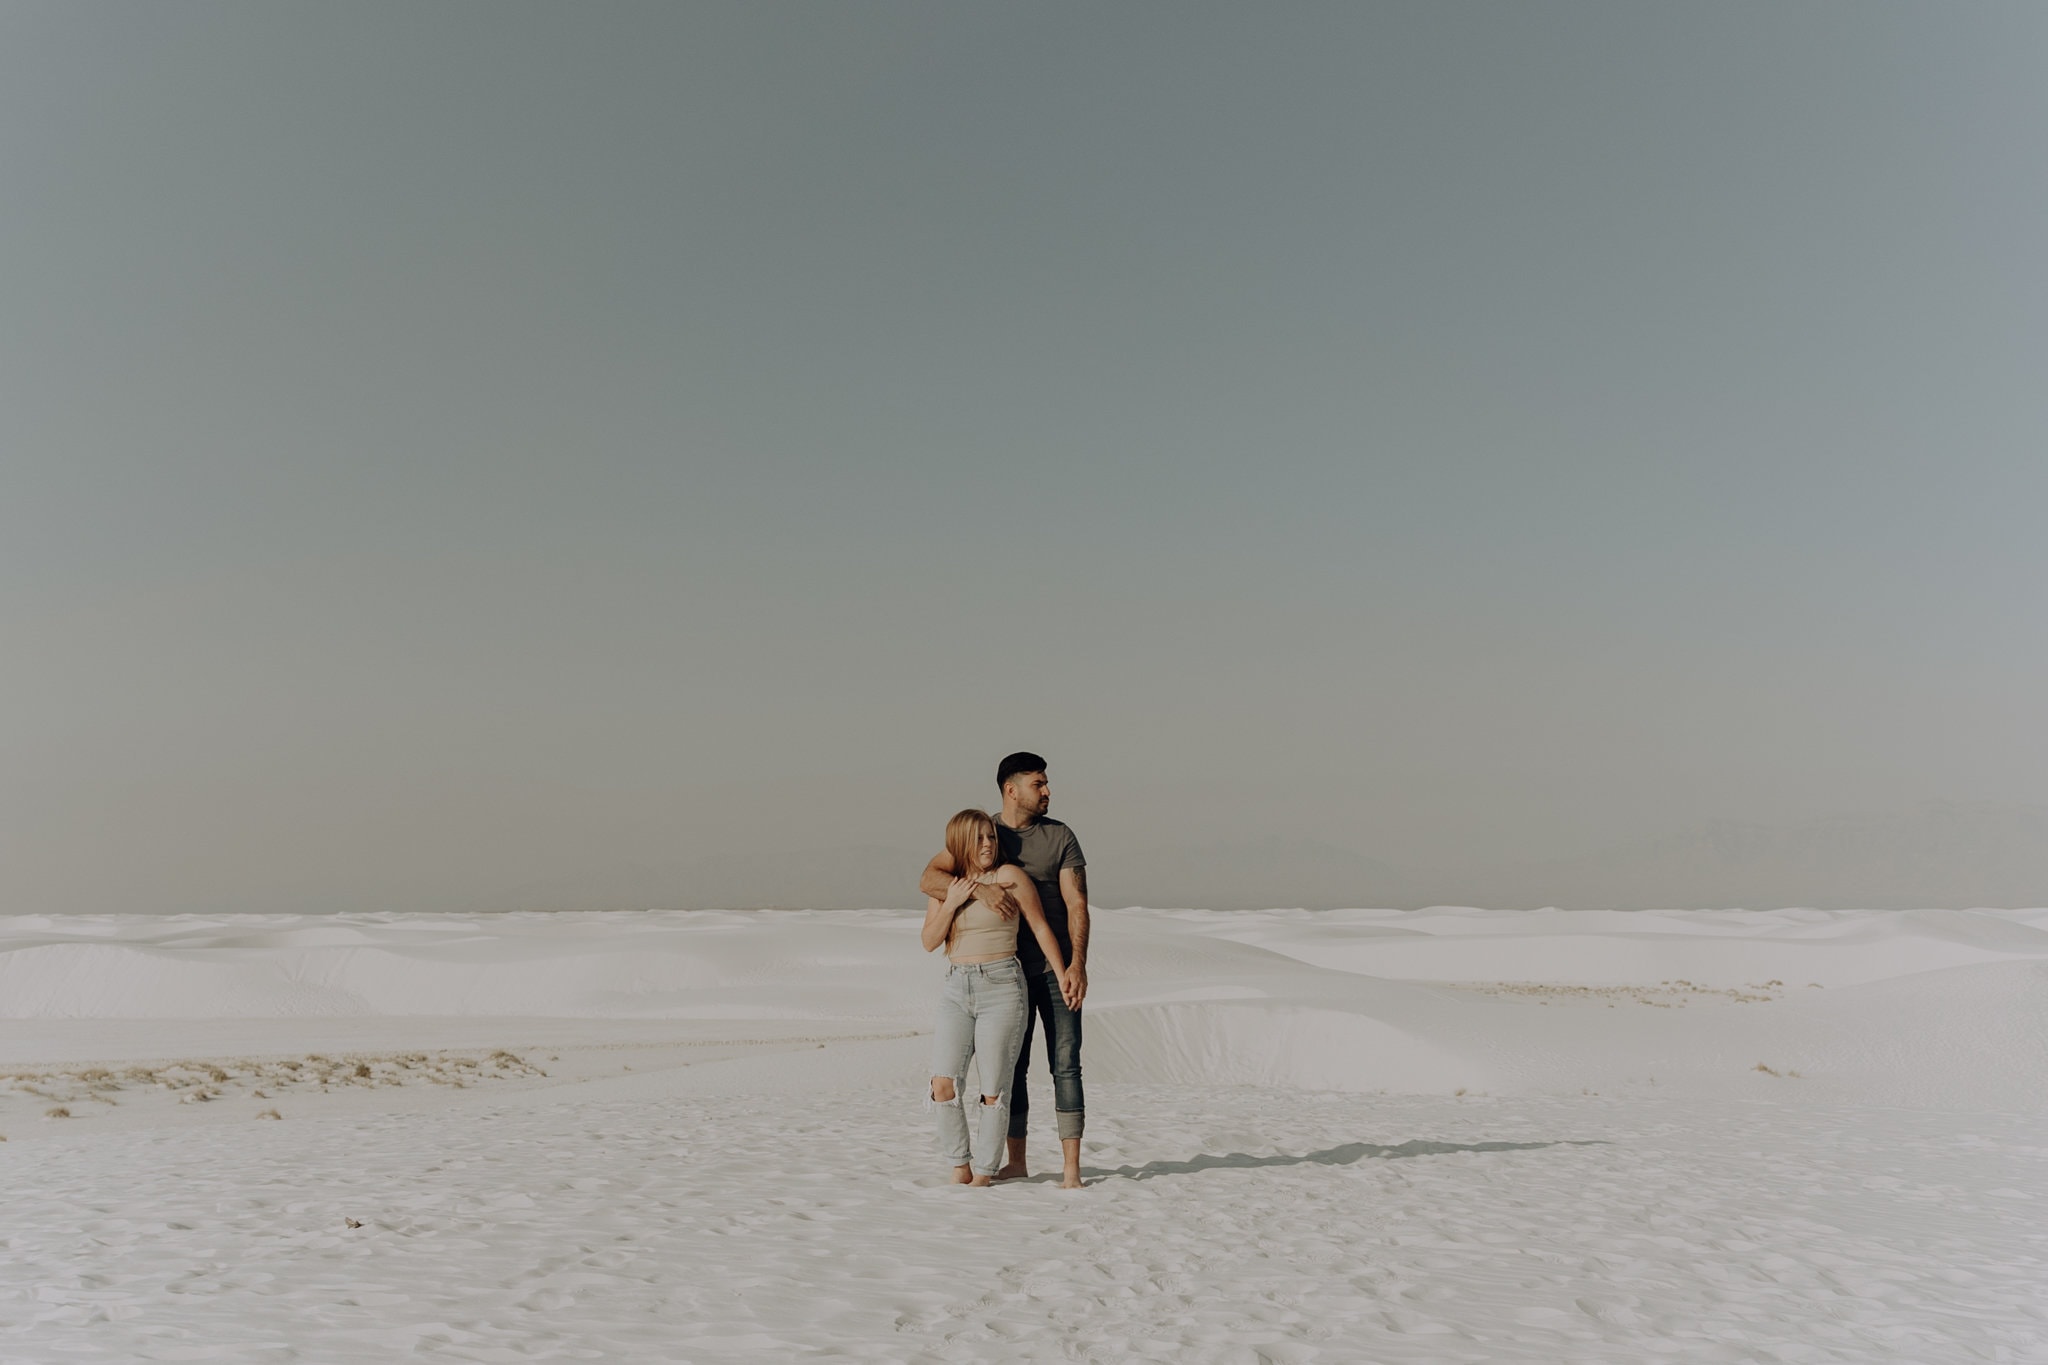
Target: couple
x=997 y=872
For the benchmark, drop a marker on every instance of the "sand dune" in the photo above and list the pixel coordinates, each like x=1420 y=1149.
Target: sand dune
x=1445 y=1135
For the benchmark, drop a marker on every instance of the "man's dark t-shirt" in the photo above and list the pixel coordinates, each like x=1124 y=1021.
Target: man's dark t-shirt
x=1042 y=848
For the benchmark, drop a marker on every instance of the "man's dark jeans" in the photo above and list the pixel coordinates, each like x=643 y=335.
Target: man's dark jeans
x=1062 y=1049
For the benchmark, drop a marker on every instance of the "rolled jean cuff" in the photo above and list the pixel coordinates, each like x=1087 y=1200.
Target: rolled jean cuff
x=1072 y=1121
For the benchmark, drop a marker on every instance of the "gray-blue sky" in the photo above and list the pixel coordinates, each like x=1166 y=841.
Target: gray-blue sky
x=453 y=448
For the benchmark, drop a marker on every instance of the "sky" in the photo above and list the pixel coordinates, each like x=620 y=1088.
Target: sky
x=470 y=456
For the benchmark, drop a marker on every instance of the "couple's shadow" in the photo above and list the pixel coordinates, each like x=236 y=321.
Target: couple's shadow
x=1344 y=1155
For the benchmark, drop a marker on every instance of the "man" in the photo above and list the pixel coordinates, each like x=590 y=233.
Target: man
x=1051 y=856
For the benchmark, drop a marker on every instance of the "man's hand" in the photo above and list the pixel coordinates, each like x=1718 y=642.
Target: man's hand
x=1074 y=891
x=1074 y=986
x=997 y=897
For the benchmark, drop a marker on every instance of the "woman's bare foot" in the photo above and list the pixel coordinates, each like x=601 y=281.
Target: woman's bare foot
x=963 y=1175
x=1070 y=1180
x=980 y=1182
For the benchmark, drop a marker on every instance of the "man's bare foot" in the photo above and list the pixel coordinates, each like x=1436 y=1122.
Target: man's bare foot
x=1070 y=1163
x=1016 y=1170
x=963 y=1175
x=980 y=1182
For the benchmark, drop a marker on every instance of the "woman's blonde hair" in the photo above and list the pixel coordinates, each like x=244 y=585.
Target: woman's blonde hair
x=962 y=832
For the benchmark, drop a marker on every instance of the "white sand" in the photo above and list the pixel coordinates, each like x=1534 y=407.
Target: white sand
x=728 y=1158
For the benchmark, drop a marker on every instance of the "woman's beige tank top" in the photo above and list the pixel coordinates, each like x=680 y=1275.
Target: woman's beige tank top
x=980 y=932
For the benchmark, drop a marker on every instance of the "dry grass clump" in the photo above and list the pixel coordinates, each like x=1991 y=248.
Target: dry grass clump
x=270 y=1114
x=1772 y=1071
x=200 y=1082
x=60 y=1112
x=1674 y=994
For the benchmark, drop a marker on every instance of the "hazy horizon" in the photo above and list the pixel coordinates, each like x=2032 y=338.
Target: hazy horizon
x=456 y=454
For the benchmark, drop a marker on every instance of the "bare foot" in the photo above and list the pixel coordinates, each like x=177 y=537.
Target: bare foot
x=1071 y=1180
x=963 y=1175
x=1014 y=1171
x=980 y=1182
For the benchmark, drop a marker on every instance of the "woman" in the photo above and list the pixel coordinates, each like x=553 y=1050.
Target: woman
x=982 y=1006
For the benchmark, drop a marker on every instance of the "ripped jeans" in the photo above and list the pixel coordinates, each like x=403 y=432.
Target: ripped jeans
x=981 y=1015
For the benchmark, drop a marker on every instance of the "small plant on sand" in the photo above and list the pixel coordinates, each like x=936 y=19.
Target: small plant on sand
x=270 y=1114
x=60 y=1112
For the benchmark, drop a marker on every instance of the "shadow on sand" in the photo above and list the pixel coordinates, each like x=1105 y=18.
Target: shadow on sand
x=1329 y=1156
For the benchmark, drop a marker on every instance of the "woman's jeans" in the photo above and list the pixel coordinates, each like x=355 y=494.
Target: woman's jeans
x=981 y=1015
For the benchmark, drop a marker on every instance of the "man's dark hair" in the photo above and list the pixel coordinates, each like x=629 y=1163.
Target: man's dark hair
x=1019 y=762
